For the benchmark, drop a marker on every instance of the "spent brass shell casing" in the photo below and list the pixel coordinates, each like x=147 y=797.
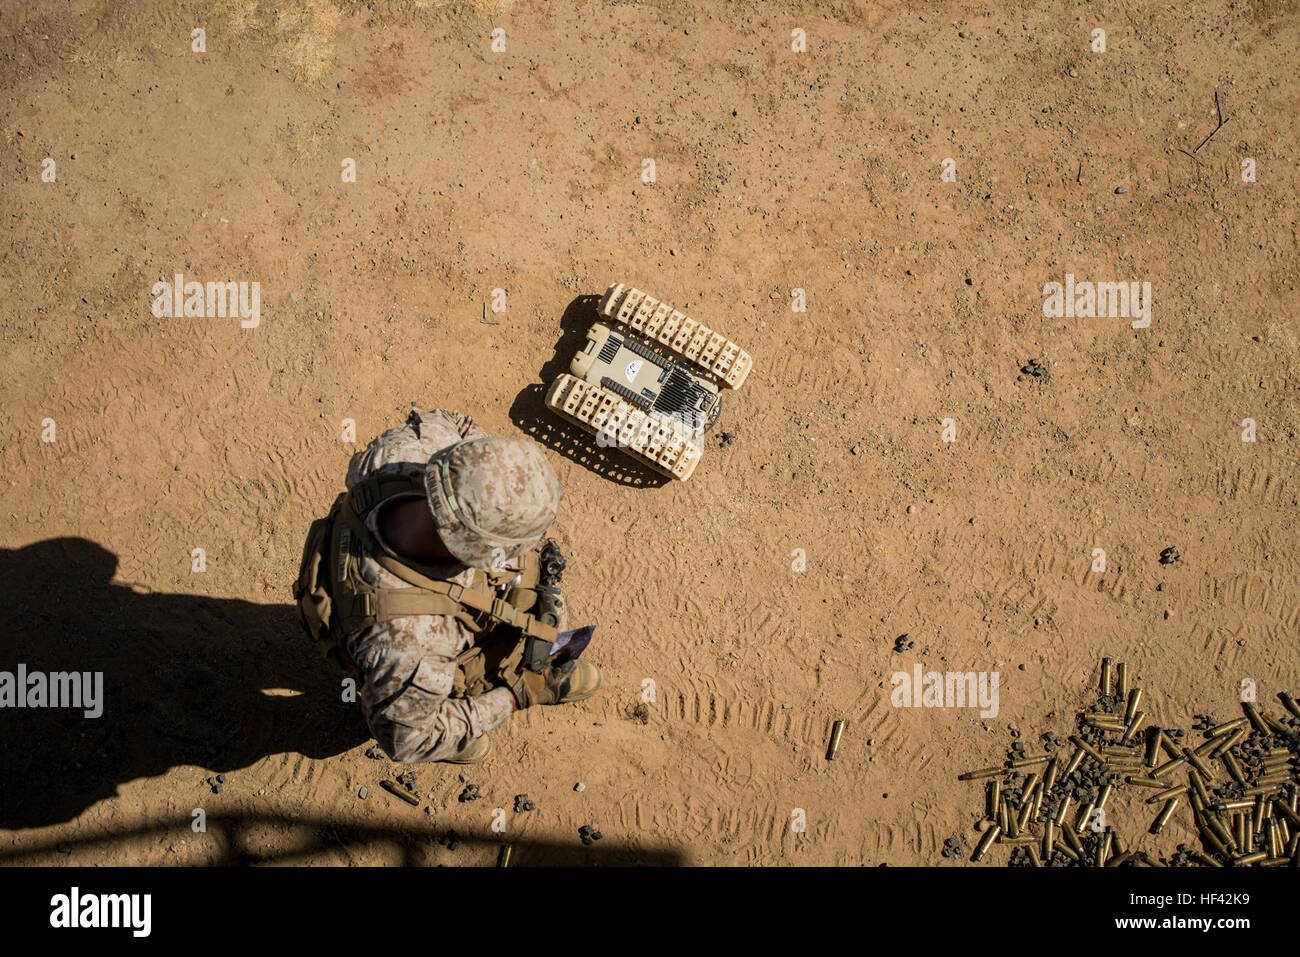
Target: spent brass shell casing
x=1198 y=787
x=1105 y=677
x=1219 y=831
x=1168 y=768
x=1102 y=795
x=1273 y=777
x=400 y=792
x=1049 y=839
x=1121 y=859
x=1234 y=805
x=1252 y=715
x=1274 y=840
x=1103 y=848
x=1025 y=840
x=985 y=842
x=1276 y=760
x=1065 y=849
x=1085 y=815
x=1033 y=856
x=994 y=793
x=1087 y=748
x=1257 y=816
x=1163 y=817
x=1132 y=707
x=1116 y=842
x=1202 y=768
x=1002 y=817
x=1121 y=681
x=984 y=773
x=1009 y=829
x=1221 y=729
x=1205 y=859
x=837 y=729
x=1049 y=776
x=1166 y=795
x=1062 y=809
x=1241 y=830
x=1207 y=747
x=1228 y=741
x=1247 y=859
x=1283 y=809
x=503 y=855
x=1169 y=748
x=1145 y=782
x=1289 y=703
x=1073 y=840
x=1029 y=787
x=1259 y=789
x=1153 y=747
x=1031 y=761
x=1233 y=767
x=1105 y=722
x=1276 y=726
x=1026 y=810
x=1075 y=760
x=1132 y=727
x=1212 y=839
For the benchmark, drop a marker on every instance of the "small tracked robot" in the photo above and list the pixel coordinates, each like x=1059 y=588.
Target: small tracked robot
x=650 y=381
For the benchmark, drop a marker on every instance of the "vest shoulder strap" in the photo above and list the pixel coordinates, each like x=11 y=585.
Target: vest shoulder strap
x=426 y=596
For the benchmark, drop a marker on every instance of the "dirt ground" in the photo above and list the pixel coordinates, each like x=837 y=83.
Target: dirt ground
x=523 y=170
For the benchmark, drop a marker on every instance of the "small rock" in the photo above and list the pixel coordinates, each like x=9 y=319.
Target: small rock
x=1120 y=190
x=580 y=787
x=362 y=793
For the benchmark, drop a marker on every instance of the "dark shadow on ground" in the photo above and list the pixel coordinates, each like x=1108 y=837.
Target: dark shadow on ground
x=240 y=840
x=183 y=680
x=530 y=414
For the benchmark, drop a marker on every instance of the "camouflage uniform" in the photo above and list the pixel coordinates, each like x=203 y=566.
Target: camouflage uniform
x=407 y=665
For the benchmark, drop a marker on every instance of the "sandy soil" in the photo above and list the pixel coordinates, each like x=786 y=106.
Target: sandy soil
x=522 y=171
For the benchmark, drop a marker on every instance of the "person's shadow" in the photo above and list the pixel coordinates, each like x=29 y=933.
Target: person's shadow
x=184 y=678
x=531 y=416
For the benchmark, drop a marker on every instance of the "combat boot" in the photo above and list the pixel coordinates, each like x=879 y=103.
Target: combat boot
x=566 y=683
x=579 y=684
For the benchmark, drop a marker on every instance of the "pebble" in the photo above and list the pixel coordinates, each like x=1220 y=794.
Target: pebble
x=580 y=786
x=362 y=793
x=1120 y=190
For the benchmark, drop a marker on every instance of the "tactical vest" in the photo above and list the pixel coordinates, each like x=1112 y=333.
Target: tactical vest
x=334 y=601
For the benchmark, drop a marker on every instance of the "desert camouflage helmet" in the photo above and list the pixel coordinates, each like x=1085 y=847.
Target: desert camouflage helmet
x=492 y=498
